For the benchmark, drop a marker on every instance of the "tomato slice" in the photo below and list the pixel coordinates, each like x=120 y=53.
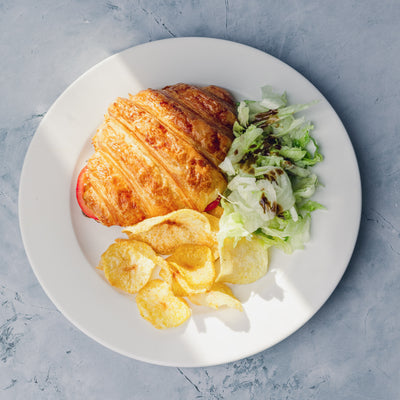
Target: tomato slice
x=79 y=194
x=213 y=204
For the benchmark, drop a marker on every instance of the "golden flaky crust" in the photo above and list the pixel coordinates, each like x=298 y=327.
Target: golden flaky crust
x=157 y=152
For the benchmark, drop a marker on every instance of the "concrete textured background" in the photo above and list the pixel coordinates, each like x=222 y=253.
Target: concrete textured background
x=351 y=51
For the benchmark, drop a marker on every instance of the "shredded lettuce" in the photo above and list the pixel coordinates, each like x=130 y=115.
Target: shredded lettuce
x=270 y=181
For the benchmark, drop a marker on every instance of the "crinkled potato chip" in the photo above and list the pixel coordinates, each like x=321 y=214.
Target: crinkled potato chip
x=214 y=222
x=158 y=305
x=216 y=212
x=128 y=264
x=214 y=226
x=244 y=263
x=165 y=233
x=178 y=285
x=177 y=281
x=220 y=295
x=193 y=264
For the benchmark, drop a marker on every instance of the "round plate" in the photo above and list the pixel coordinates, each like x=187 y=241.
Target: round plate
x=64 y=247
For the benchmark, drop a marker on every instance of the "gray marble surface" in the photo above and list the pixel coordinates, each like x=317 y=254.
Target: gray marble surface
x=351 y=51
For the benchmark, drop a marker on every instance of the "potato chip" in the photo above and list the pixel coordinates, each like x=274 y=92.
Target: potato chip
x=158 y=305
x=195 y=265
x=216 y=212
x=244 y=263
x=220 y=295
x=176 y=281
x=165 y=233
x=214 y=222
x=128 y=264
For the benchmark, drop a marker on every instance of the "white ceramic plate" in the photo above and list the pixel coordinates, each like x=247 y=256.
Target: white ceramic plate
x=64 y=247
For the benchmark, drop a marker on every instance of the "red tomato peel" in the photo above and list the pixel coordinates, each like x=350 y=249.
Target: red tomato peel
x=79 y=195
x=213 y=204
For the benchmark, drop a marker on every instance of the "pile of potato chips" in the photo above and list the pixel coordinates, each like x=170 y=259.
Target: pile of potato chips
x=182 y=248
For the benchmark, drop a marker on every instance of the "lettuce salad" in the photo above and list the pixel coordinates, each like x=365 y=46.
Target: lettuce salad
x=269 y=172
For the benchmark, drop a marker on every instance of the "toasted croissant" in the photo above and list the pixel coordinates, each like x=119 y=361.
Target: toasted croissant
x=156 y=152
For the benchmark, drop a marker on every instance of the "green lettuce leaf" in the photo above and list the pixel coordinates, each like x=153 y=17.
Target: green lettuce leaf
x=269 y=172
